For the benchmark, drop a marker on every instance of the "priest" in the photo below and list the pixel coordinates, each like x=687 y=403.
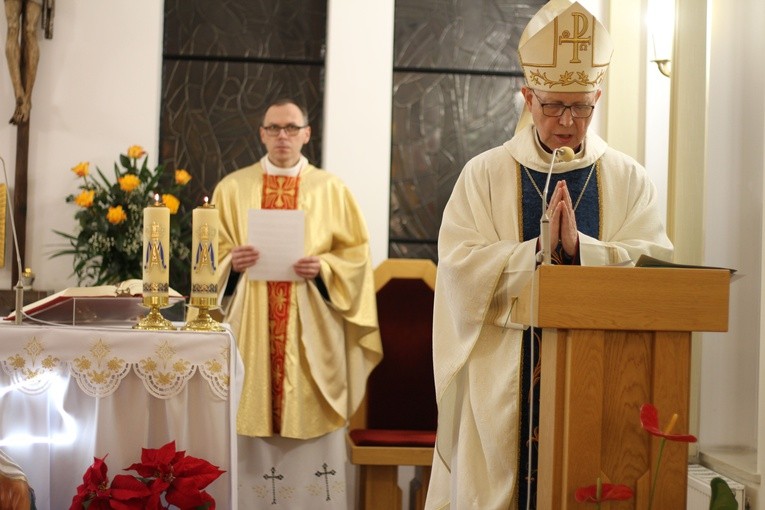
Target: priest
x=603 y=209
x=308 y=345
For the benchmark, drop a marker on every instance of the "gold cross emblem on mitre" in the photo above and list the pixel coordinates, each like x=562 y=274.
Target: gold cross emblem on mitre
x=564 y=48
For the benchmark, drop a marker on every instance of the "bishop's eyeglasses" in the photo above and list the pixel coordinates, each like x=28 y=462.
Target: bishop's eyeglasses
x=290 y=129
x=578 y=111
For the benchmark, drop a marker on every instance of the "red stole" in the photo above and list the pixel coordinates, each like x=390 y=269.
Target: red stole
x=279 y=192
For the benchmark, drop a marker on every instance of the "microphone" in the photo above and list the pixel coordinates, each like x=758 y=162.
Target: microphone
x=19 y=285
x=565 y=154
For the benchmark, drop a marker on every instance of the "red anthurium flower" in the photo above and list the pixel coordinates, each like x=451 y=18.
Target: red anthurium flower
x=649 y=420
x=609 y=492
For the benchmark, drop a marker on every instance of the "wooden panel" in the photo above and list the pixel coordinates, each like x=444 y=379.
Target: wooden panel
x=671 y=394
x=628 y=357
x=620 y=298
x=391 y=455
x=419 y=269
x=593 y=384
x=584 y=408
x=552 y=396
x=381 y=490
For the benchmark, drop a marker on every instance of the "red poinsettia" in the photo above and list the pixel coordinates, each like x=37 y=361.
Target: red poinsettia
x=96 y=493
x=179 y=477
x=163 y=473
x=649 y=420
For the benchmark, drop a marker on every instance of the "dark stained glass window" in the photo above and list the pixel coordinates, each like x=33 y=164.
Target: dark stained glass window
x=269 y=29
x=223 y=62
x=455 y=94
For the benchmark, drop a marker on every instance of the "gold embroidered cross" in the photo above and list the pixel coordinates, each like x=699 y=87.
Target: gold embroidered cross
x=578 y=41
x=283 y=191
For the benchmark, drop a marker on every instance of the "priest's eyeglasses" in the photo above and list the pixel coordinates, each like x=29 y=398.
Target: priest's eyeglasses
x=290 y=129
x=578 y=111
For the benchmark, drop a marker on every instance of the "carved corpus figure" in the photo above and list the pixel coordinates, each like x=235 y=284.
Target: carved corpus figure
x=22 y=50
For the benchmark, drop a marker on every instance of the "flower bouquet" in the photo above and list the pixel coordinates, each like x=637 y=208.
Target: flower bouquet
x=108 y=243
x=166 y=479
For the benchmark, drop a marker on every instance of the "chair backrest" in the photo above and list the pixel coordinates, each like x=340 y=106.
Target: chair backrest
x=400 y=391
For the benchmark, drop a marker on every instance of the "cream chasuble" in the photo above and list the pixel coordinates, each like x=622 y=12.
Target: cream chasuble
x=483 y=264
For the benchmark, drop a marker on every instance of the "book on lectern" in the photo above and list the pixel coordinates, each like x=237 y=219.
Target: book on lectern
x=648 y=261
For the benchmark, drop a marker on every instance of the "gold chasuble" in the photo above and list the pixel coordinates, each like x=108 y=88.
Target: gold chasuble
x=307 y=356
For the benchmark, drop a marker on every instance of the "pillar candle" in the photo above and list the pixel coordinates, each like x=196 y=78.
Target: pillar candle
x=156 y=252
x=204 y=256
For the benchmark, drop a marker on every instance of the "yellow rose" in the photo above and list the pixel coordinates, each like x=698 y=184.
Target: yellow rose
x=129 y=182
x=182 y=177
x=116 y=215
x=171 y=202
x=81 y=169
x=135 y=151
x=85 y=198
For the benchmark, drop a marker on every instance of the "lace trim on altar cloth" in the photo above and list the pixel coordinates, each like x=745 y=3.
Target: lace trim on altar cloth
x=99 y=372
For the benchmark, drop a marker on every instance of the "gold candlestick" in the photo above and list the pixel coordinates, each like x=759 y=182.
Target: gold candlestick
x=203 y=321
x=204 y=268
x=156 y=265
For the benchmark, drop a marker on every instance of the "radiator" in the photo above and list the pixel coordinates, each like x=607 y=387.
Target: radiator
x=700 y=490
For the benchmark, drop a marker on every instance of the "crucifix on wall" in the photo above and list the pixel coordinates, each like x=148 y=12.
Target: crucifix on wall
x=22 y=51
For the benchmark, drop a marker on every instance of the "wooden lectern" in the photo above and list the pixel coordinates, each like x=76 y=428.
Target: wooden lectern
x=615 y=338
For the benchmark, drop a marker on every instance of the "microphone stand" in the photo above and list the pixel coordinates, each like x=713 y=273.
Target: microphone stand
x=545 y=256
x=544 y=222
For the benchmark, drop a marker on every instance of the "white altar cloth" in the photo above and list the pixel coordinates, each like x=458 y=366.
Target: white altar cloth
x=69 y=394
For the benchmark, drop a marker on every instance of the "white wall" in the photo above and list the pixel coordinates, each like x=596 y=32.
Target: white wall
x=734 y=213
x=357 y=107
x=732 y=407
x=97 y=92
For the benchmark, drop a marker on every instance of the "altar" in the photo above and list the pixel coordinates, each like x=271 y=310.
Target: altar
x=69 y=394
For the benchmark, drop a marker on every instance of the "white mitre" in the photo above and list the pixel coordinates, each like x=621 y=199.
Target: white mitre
x=564 y=48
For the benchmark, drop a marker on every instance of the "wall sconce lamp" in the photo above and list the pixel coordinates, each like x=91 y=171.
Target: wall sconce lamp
x=664 y=65
x=661 y=28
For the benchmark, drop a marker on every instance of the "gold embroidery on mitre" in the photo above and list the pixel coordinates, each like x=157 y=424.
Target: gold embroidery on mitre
x=565 y=46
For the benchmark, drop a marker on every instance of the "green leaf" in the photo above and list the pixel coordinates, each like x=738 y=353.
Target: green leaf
x=722 y=496
x=125 y=161
x=106 y=183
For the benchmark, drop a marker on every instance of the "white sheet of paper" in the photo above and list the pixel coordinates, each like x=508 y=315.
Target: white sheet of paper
x=279 y=235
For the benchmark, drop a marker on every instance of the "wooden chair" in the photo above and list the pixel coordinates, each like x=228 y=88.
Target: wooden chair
x=396 y=426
